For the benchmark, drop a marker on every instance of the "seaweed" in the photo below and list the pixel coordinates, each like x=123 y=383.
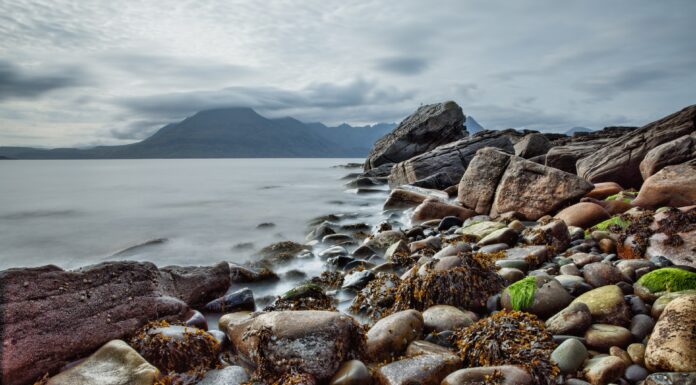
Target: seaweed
x=308 y=296
x=328 y=279
x=522 y=293
x=510 y=338
x=375 y=299
x=668 y=279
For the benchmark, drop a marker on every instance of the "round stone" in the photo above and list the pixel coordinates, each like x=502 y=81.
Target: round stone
x=569 y=355
x=604 y=336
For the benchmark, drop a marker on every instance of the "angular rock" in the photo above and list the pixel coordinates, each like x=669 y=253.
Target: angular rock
x=677 y=151
x=619 y=160
x=604 y=370
x=574 y=319
x=433 y=209
x=673 y=186
x=565 y=157
x=672 y=344
x=115 y=363
x=480 y=180
x=198 y=284
x=429 y=127
x=532 y=145
x=451 y=159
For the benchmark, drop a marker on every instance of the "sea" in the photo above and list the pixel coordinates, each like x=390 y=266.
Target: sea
x=73 y=213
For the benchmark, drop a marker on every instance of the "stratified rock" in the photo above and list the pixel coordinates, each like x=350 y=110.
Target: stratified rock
x=306 y=341
x=390 y=336
x=564 y=157
x=52 y=316
x=115 y=363
x=430 y=126
x=425 y=369
x=673 y=186
x=408 y=196
x=451 y=159
x=506 y=375
x=619 y=160
x=435 y=209
x=677 y=151
x=532 y=145
x=672 y=344
x=479 y=182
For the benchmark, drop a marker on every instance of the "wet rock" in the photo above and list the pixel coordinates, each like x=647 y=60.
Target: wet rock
x=352 y=372
x=574 y=319
x=403 y=199
x=115 y=363
x=332 y=252
x=439 y=318
x=196 y=285
x=281 y=252
x=603 y=336
x=601 y=274
x=429 y=127
x=311 y=342
x=380 y=242
x=569 y=355
x=511 y=275
x=337 y=239
x=619 y=160
x=531 y=255
x=390 y=336
x=604 y=370
x=641 y=326
x=425 y=369
x=357 y=279
x=602 y=190
x=570 y=269
x=635 y=373
x=583 y=214
x=637 y=353
x=606 y=305
x=230 y=375
x=672 y=345
x=670 y=379
x=679 y=150
x=661 y=303
x=449 y=161
x=532 y=145
x=673 y=186
x=554 y=234
x=73 y=313
x=505 y=236
x=433 y=209
x=618 y=352
x=506 y=375
x=448 y=222
x=194 y=318
x=480 y=181
x=242 y=299
x=540 y=296
x=241 y=274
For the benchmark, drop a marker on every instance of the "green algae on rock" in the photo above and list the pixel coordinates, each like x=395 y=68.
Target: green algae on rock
x=668 y=279
x=522 y=293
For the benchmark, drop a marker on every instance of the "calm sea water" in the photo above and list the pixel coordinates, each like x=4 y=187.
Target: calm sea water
x=77 y=212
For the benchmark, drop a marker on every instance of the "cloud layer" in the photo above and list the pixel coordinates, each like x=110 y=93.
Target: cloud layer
x=85 y=73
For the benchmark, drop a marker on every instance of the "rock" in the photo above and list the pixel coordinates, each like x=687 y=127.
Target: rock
x=419 y=347
x=606 y=305
x=432 y=243
x=574 y=319
x=230 y=375
x=673 y=186
x=670 y=379
x=439 y=318
x=512 y=375
x=603 y=336
x=308 y=341
x=352 y=372
x=661 y=303
x=511 y=275
x=618 y=352
x=564 y=157
x=532 y=145
x=554 y=233
x=672 y=345
x=637 y=353
x=390 y=336
x=641 y=326
x=635 y=373
x=380 y=242
x=602 y=190
x=479 y=230
x=583 y=214
x=570 y=269
x=505 y=236
x=530 y=255
x=196 y=285
x=115 y=363
x=619 y=160
x=600 y=274
x=176 y=348
x=569 y=355
x=680 y=253
x=403 y=199
x=439 y=181
x=429 y=127
x=679 y=150
x=547 y=296
x=242 y=299
x=604 y=370
x=281 y=252
x=480 y=180
x=241 y=274
x=432 y=209
x=233 y=318
x=62 y=315
x=399 y=248
x=426 y=369
x=450 y=159
x=448 y=222
x=357 y=279
x=534 y=190
x=332 y=252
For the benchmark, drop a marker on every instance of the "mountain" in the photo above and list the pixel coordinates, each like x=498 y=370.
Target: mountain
x=573 y=130
x=472 y=125
x=229 y=133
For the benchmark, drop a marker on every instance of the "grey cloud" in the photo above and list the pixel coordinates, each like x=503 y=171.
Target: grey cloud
x=608 y=85
x=403 y=65
x=16 y=82
x=137 y=130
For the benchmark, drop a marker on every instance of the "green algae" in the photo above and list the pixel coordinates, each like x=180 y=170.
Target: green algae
x=670 y=279
x=522 y=293
x=613 y=224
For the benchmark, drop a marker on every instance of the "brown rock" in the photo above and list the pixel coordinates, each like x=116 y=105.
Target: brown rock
x=672 y=344
x=391 y=335
x=574 y=319
x=479 y=182
x=583 y=214
x=677 y=151
x=433 y=209
x=673 y=186
x=602 y=190
x=426 y=369
x=564 y=157
x=619 y=160
x=604 y=336
x=532 y=145
x=601 y=274
x=512 y=375
x=604 y=370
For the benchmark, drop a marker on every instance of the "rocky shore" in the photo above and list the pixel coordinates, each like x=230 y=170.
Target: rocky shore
x=505 y=257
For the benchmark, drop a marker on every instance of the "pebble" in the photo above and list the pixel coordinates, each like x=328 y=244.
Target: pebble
x=569 y=355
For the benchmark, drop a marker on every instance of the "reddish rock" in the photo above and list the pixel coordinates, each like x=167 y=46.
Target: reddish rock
x=434 y=209
x=602 y=190
x=583 y=214
x=673 y=186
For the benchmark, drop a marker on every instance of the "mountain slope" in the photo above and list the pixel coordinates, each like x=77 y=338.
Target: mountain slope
x=472 y=125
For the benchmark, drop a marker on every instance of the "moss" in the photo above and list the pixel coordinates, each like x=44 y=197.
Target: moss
x=669 y=279
x=614 y=224
x=522 y=293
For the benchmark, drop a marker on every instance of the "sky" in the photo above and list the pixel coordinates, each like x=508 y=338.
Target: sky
x=83 y=73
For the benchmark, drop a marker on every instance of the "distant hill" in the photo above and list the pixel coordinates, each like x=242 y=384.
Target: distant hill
x=573 y=130
x=472 y=125
x=229 y=133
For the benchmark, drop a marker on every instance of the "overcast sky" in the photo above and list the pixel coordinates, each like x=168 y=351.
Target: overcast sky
x=107 y=72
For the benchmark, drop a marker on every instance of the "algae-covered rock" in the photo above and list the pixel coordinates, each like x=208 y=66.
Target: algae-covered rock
x=668 y=279
x=540 y=296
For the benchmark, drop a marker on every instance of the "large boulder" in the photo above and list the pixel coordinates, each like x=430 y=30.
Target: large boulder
x=430 y=126
x=619 y=160
x=51 y=316
x=672 y=344
x=309 y=341
x=673 y=186
x=534 y=190
x=565 y=157
x=480 y=180
x=532 y=145
x=451 y=159
x=679 y=150
x=115 y=363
